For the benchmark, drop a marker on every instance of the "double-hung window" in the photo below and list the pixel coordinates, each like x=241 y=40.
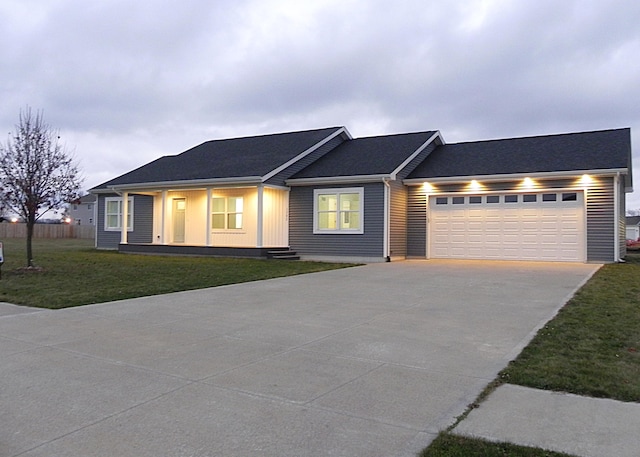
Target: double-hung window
x=113 y=214
x=338 y=211
x=226 y=213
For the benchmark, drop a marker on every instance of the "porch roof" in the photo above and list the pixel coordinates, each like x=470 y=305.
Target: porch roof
x=218 y=161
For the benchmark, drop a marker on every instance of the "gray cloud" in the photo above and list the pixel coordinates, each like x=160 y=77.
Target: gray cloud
x=126 y=82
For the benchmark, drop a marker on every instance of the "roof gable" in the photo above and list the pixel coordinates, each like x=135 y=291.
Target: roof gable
x=379 y=155
x=250 y=157
x=599 y=150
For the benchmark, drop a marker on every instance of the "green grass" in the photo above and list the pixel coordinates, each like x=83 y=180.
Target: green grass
x=592 y=347
x=73 y=273
x=446 y=445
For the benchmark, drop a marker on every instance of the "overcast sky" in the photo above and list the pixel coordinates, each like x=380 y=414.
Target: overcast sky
x=127 y=81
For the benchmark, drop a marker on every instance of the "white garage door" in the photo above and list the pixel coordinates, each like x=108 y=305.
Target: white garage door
x=532 y=226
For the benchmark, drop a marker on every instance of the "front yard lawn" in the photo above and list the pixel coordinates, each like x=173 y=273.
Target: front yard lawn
x=74 y=273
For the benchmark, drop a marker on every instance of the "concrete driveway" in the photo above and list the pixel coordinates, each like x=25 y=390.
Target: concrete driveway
x=366 y=361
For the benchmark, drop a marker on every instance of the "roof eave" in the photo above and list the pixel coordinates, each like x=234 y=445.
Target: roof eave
x=337 y=180
x=284 y=166
x=183 y=184
x=515 y=176
x=407 y=161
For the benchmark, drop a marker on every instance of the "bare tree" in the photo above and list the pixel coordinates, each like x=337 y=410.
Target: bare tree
x=36 y=173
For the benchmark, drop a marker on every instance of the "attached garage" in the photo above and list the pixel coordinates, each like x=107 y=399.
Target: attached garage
x=545 y=226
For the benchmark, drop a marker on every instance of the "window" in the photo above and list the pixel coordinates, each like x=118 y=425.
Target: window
x=570 y=197
x=529 y=198
x=548 y=197
x=226 y=213
x=493 y=198
x=113 y=214
x=441 y=200
x=457 y=200
x=511 y=199
x=338 y=210
x=475 y=199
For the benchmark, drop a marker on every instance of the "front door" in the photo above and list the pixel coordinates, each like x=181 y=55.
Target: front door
x=179 y=210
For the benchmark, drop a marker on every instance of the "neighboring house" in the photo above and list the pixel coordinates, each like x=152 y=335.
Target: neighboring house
x=82 y=211
x=633 y=227
x=329 y=196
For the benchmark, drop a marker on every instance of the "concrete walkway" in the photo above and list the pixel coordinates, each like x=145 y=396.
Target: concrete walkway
x=582 y=426
x=366 y=361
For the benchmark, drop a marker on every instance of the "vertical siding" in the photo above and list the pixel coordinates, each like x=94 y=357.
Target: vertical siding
x=142 y=223
x=416 y=222
x=275 y=227
x=306 y=243
x=279 y=178
x=195 y=216
x=398 y=220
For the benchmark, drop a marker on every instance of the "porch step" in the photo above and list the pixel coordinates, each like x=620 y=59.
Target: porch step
x=283 y=255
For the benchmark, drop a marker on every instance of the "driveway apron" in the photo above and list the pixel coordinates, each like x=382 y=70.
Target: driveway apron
x=365 y=361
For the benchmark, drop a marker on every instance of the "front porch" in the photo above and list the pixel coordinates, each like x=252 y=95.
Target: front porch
x=213 y=251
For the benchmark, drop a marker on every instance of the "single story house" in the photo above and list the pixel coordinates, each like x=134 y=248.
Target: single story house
x=633 y=227
x=329 y=196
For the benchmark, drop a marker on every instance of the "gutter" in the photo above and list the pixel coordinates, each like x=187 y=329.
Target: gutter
x=386 y=241
x=514 y=176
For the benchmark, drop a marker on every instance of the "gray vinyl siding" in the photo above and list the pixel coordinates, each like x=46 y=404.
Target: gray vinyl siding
x=306 y=243
x=142 y=223
x=601 y=222
x=600 y=214
x=416 y=222
x=398 y=220
x=279 y=179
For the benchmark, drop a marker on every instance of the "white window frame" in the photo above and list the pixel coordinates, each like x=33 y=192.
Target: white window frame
x=226 y=213
x=337 y=192
x=108 y=228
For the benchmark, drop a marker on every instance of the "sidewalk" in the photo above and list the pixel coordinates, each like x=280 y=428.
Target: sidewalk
x=582 y=426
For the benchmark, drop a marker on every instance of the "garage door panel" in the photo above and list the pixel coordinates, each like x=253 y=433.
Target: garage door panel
x=526 y=230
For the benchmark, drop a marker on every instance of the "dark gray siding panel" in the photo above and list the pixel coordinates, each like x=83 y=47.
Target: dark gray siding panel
x=142 y=223
x=279 y=178
x=416 y=222
x=398 y=220
x=142 y=220
x=306 y=243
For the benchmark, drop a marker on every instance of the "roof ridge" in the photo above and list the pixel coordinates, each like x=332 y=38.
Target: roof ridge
x=551 y=135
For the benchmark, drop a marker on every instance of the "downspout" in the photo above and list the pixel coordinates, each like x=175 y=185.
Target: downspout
x=387 y=215
x=616 y=216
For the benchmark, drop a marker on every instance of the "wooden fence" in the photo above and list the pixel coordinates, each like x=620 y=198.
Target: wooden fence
x=17 y=230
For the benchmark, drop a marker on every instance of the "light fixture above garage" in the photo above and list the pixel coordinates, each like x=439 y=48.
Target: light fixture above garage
x=528 y=183
x=586 y=179
x=426 y=187
x=475 y=185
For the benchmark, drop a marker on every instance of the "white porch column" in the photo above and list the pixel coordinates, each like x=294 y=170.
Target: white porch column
x=260 y=216
x=125 y=210
x=208 y=228
x=163 y=216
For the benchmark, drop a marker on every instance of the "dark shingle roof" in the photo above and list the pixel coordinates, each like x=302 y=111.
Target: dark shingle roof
x=599 y=150
x=632 y=220
x=366 y=156
x=230 y=158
